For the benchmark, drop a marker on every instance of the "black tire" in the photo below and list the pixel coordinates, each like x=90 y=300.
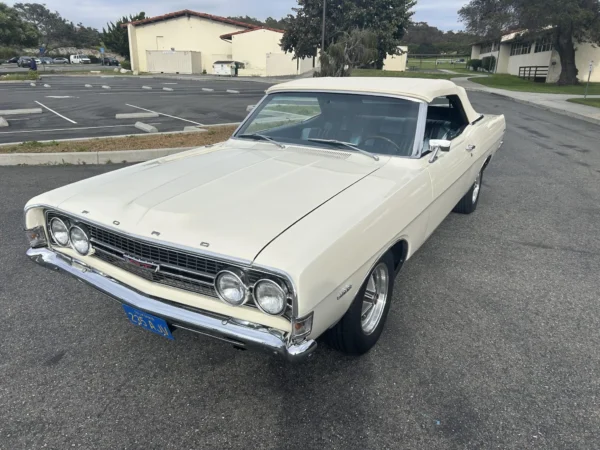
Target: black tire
x=468 y=204
x=348 y=335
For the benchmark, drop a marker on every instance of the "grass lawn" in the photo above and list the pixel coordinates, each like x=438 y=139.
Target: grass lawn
x=143 y=142
x=391 y=73
x=595 y=102
x=31 y=75
x=513 y=83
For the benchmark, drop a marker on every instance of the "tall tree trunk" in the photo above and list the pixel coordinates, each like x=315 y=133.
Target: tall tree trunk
x=566 y=50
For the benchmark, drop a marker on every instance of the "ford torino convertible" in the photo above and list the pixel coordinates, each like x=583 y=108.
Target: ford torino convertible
x=293 y=229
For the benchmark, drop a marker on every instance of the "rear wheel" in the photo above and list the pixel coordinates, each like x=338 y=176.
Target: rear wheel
x=360 y=328
x=469 y=202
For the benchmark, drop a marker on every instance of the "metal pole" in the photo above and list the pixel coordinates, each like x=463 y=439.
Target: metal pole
x=323 y=32
x=588 y=80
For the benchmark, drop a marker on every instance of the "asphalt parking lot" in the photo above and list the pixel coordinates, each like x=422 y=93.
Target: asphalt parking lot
x=72 y=110
x=492 y=340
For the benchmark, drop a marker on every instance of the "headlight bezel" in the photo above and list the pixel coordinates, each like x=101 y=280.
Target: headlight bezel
x=279 y=285
x=242 y=280
x=67 y=226
x=86 y=233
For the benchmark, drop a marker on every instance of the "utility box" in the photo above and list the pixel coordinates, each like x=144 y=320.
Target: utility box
x=227 y=68
x=171 y=61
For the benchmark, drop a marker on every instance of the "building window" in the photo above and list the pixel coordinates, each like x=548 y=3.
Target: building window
x=543 y=45
x=489 y=47
x=520 y=48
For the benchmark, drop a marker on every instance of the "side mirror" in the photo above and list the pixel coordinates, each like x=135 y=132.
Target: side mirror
x=442 y=144
x=250 y=108
x=437 y=146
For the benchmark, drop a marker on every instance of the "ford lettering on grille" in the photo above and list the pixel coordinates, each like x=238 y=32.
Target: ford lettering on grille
x=141 y=263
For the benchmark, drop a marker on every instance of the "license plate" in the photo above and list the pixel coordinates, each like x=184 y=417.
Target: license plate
x=148 y=321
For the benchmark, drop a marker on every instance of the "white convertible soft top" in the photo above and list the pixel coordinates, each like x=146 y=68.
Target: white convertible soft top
x=417 y=88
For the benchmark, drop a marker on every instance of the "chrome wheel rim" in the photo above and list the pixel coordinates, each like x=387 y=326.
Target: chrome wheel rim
x=375 y=298
x=476 y=188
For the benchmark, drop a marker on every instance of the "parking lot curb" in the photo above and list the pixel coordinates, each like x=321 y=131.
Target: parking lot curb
x=81 y=158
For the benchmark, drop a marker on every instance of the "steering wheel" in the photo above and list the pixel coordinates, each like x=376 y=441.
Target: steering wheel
x=383 y=138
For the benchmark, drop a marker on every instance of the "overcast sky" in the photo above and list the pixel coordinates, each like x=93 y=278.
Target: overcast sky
x=440 y=13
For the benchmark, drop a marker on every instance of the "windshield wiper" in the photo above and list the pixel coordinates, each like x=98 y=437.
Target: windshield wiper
x=262 y=137
x=347 y=145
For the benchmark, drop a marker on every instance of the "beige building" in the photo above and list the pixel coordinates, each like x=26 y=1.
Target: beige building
x=260 y=51
x=396 y=63
x=517 y=56
x=190 y=42
x=156 y=42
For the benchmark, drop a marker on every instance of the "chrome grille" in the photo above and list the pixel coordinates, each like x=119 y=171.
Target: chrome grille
x=177 y=269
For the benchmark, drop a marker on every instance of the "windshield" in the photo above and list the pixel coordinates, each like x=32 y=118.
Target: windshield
x=383 y=125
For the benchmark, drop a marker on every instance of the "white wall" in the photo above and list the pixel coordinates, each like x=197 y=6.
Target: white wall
x=583 y=55
x=530 y=59
x=396 y=62
x=183 y=34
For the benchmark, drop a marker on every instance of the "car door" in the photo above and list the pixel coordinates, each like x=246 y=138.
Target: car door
x=451 y=174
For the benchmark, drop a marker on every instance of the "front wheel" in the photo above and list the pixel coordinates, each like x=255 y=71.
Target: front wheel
x=360 y=328
x=469 y=202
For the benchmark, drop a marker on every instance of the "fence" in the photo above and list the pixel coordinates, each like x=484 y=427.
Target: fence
x=533 y=72
x=433 y=62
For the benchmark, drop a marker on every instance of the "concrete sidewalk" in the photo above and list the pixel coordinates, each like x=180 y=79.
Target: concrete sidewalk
x=552 y=102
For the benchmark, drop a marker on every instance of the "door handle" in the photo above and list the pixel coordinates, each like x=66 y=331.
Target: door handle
x=471 y=147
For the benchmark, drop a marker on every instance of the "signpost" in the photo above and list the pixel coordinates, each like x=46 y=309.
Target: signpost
x=102 y=54
x=588 y=80
x=42 y=51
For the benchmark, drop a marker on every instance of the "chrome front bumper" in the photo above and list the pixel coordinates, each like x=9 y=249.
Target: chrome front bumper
x=243 y=335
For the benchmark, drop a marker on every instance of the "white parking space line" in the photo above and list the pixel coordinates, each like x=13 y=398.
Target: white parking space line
x=52 y=111
x=166 y=115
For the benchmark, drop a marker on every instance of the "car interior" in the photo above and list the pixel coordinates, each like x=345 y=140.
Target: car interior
x=376 y=124
x=446 y=119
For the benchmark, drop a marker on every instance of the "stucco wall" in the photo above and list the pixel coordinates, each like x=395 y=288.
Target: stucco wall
x=252 y=49
x=475 y=51
x=583 y=55
x=396 y=62
x=183 y=34
x=530 y=59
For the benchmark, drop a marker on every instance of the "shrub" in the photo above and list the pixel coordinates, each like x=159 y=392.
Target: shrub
x=7 y=53
x=126 y=65
x=488 y=63
x=475 y=64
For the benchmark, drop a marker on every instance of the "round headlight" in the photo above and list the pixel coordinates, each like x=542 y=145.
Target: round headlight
x=230 y=287
x=79 y=240
x=270 y=297
x=59 y=231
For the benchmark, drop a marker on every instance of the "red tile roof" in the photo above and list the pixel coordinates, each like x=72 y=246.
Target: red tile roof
x=187 y=12
x=229 y=35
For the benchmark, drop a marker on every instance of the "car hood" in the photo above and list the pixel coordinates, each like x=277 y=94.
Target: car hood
x=231 y=200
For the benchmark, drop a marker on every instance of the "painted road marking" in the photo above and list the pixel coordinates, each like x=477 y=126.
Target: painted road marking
x=60 y=96
x=166 y=115
x=231 y=91
x=208 y=90
x=52 y=111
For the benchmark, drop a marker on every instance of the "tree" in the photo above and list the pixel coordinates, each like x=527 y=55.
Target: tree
x=269 y=22
x=54 y=31
x=354 y=49
x=387 y=19
x=115 y=37
x=14 y=31
x=569 y=22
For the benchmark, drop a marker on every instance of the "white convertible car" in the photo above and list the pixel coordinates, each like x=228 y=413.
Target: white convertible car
x=294 y=228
